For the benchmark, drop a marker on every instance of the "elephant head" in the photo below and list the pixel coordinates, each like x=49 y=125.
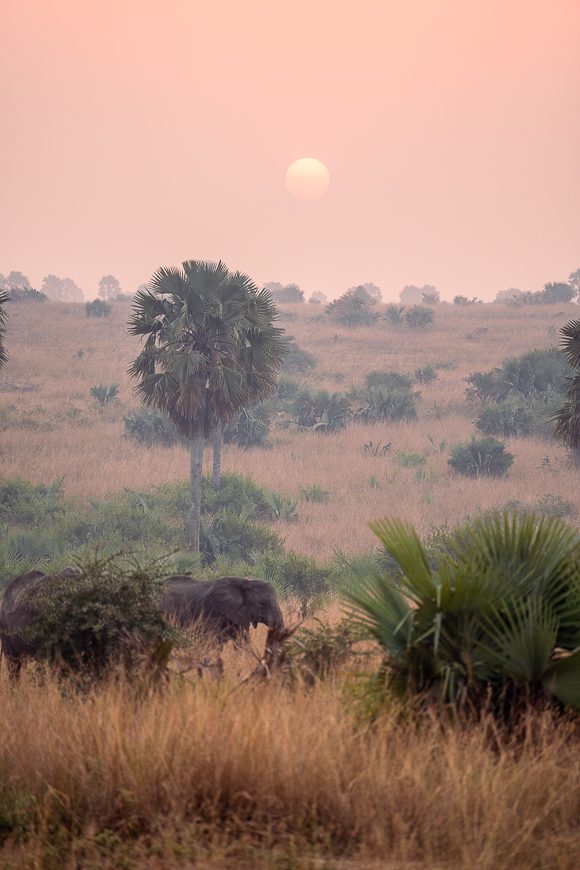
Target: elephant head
x=230 y=605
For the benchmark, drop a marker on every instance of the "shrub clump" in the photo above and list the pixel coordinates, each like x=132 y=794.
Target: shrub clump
x=107 y=613
x=353 y=308
x=483 y=457
x=98 y=308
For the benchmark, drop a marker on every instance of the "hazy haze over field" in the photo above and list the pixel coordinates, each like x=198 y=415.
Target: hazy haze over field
x=141 y=133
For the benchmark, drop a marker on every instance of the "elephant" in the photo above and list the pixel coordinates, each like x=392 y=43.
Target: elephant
x=15 y=615
x=228 y=605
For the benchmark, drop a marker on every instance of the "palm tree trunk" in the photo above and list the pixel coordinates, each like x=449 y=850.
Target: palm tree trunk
x=216 y=474
x=195 y=474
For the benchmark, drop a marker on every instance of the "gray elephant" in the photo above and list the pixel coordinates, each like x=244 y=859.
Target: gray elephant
x=228 y=605
x=15 y=616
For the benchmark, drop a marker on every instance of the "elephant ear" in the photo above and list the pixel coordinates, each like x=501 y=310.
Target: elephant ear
x=227 y=600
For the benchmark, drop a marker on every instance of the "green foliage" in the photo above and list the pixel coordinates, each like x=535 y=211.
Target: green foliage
x=550 y=505
x=235 y=538
x=509 y=419
x=394 y=314
x=24 y=503
x=353 y=308
x=106 y=614
x=408 y=459
x=293 y=574
x=251 y=427
x=282 y=507
x=315 y=493
x=26 y=294
x=285 y=294
x=419 y=317
x=104 y=393
x=152 y=428
x=386 y=396
x=3 y=318
x=567 y=418
x=237 y=494
x=98 y=308
x=318 y=653
x=483 y=457
x=297 y=360
x=425 y=374
x=320 y=411
x=486 y=621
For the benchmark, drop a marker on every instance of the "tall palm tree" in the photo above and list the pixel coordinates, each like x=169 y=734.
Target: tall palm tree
x=211 y=348
x=567 y=420
x=3 y=319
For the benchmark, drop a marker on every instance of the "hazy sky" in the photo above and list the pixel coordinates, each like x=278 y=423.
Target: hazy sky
x=138 y=133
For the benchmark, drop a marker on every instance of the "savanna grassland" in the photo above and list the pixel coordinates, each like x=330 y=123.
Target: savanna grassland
x=279 y=773
x=52 y=427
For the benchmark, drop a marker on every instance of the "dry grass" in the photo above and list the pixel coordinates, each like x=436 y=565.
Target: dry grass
x=46 y=382
x=197 y=773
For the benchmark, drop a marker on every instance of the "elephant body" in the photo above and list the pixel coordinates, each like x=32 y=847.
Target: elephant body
x=15 y=614
x=228 y=605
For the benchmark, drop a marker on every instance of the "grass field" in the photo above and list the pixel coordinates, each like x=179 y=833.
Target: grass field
x=51 y=427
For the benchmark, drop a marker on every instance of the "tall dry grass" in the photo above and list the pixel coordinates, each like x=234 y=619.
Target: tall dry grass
x=51 y=426
x=199 y=774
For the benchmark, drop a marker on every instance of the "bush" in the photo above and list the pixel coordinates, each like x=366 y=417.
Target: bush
x=297 y=360
x=395 y=314
x=321 y=411
x=418 y=317
x=315 y=493
x=286 y=294
x=251 y=427
x=510 y=419
x=98 y=308
x=26 y=294
x=293 y=574
x=103 y=393
x=152 y=428
x=484 y=457
x=236 y=493
x=25 y=503
x=480 y=629
x=387 y=396
x=103 y=615
x=235 y=538
x=353 y=308
x=425 y=374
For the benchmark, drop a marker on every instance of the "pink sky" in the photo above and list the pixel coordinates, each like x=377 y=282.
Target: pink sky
x=140 y=133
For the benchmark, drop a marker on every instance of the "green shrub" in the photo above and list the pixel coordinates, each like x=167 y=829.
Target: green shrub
x=483 y=457
x=251 y=427
x=386 y=396
x=282 y=507
x=103 y=393
x=419 y=317
x=409 y=459
x=26 y=294
x=297 y=360
x=425 y=374
x=320 y=411
x=152 y=428
x=98 y=308
x=235 y=538
x=25 y=503
x=315 y=493
x=293 y=574
x=106 y=614
x=509 y=419
x=480 y=630
x=394 y=314
x=353 y=308
x=236 y=493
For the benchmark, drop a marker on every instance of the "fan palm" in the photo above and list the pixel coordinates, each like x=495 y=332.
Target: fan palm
x=3 y=318
x=567 y=420
x=211 y=348
x=500 y=610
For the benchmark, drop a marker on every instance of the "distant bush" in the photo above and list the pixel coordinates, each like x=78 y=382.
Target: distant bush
x=251 y=427
x=321 y=411
x=464 y=300
x=297 y=360
x=354 y=308
x=509 y=419
x=413 y=295
x=418 y=317
x=550 y=505
x=22 y=502
x=394 y=314
x=98 y=308
x=531 y=374
x=409 y=459
x=287 y=294
x=294 y=574
x=484 y=457
x=103 y=394
x=236 y=493
x=152 y=428
x=26 y=294
x=558 y=293
x=315 y=493
x=425 y=374
x=107 y=614
x=386 y=396
x=318 y=298
x=236 y=538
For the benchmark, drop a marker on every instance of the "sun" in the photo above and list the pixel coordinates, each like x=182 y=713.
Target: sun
x=307 y=178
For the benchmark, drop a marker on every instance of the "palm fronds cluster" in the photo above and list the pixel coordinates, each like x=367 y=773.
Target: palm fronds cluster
x=496 y=617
